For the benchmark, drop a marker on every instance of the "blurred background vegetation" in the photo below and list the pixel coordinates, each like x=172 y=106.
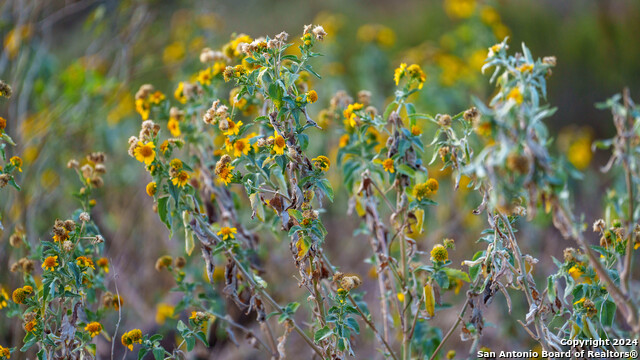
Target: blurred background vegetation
x=75 y=66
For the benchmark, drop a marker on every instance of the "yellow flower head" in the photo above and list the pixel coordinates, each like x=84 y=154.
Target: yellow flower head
x=179 y=93
x=50 y=263
x=515 y=95
x=181 y=179
x=93 y=328
x=344 y=140
x=312 y=96
x=156 y=97
x=19 y=296
x=143 y=107
x=5 y=353
x=526 y=67
x=415 y=130
x=227 y=232
x=4 y=298
x=85 y=262
x=174 y=127
x=240 y=147
x=234 y=128
x=415 y=73
x=421 y=191
x=322 y=162
x=399 y=73
x=176 y=164
x=387 y=164
x=205 y=76
x=3 y=124
x=349 y=113
x=439 y=253
x=61 y=237
x=151 y=188
x=279 y=144
x=225 y=173
x=459 y=9
x=132 y=337
x=17 y=162
x=104 y=264
x=145 y=152
x=164 y=312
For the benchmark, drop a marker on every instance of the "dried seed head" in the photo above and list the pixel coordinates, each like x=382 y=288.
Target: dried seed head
x=364 y=97
x=73 y=164
x=350 y=282
x=549 y=60
x=444 y=120
x=307 y=28
x=97 y=157
x=67 y=245
x=180 y=262
x=319 y=32
x=27 y=265
x=5 y=89
x=86 y=170
x=163 y=262
x=99 y=239
x=4 y=180
x=100 y=169
x=84 y=217
x=599 y=225
x=70 y=225
x=472 y=114
x=144 y=91
x=14 y=267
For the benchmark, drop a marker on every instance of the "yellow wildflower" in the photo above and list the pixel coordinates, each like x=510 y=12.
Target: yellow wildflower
x=50 y=263
x=439 y=253
x=349 y=113
x=181 y=179
x=17 y=162
x=144 y=152
x=151 y=188
x=279 y=144
x=205 y=76
x=399 y=73
x=312 y=96
x=174 y=127
x=459 y=9
x=84 y=262
x=344 y=140
x=164 y=312
x=240 y=147
x=322 y=162
x=515 y=95
x=234 y=128
x=179 y=93
x=93 y=328
x=227 y=232
x=156 y=97
x=104 y=264
x=130 y=338
x=387 y=164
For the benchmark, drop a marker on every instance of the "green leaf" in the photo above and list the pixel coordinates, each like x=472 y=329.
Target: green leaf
x=607 y=313
x=158 y=353
x=202 y=337
x=457 y=274
x=353 y=324
x=322 y=334
x=325 y=186
x=163 y=210
x=142 y=353
x=191 y=342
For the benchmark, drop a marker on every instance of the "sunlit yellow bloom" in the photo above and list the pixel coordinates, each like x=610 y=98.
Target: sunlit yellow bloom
x=17 y=162
x=4 y=298
x=234 y=128
x=151 y=188
x=459 y=9
x=173 y=53
x=525 y=68
x=439 y=253
x=312 y=96
x=157 y=97
x=399 y=73
x=387 y=164
x=174 y=127
x=240 y=147
x=144 y=152
x=579 y=153
x=181 y=179
x=175 y=164
x=415 y=130
x=84 y=262
x=322 y=162
x=5 y=353
x=93 y=328
x=104 y=264
x=205 y=76
x=50 y=263
x=143 y=108
x=421 y=191
x=31 y=325
x=132 y=337
x=515 y=95
x=279 y=144
x=415 y=73
x=62 y=237
x=344 y=140
x=179 y=93
x=400 y=297
x=349 y=113
x=227 y=232
x=164 y=312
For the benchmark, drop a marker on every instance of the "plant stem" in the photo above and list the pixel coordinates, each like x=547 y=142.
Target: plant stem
x=451 y=330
